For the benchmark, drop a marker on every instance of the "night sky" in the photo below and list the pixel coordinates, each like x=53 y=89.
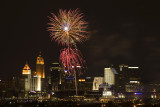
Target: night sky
x=119 y=33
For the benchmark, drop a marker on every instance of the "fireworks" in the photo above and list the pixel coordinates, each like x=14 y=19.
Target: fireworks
x=71 y=58
x=68 y=27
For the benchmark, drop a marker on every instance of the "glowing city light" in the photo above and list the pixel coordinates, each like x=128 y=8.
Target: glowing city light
x=133 y=67
x=32 y=91
x=137 y=93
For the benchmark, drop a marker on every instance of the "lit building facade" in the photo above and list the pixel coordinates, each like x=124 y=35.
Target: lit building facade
x=109 y=76
x=26 y=70
x=40 y=70
x=96 y=82
x=36 y=83
x=133 y=87
x=26 y=73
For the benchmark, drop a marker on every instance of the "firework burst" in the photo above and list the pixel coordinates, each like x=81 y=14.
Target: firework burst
x=71 y=58
x=68 y=27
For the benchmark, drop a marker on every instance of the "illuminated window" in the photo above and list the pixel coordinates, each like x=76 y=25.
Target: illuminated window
x=81 y=80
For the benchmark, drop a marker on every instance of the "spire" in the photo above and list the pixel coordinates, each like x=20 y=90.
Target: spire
x=40 y=54
x=40 y=59
x=26 y=66
x=40 y=66
x=26 y=69
x=26 y=62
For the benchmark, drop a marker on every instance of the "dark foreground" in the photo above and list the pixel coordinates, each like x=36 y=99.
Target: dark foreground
x=73 y=104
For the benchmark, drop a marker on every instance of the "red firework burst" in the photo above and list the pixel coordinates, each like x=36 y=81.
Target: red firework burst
x=71 y=59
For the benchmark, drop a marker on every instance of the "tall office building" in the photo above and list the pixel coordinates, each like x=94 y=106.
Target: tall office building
x=40 y=71
x=128 y=74
x=26 y=73
x=134 y=74
x=129 y=79
x=109 y=76
x=36 y=83
x=56 y=75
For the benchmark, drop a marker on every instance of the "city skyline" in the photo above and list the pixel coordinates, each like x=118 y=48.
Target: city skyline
x=120 y=33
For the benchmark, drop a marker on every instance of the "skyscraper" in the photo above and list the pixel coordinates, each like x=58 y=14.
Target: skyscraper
x=129 y=74
x=129 y=78
x=36 y=83
x=56 y=76
x=40 y=71
x=109 y=76
x=26 y=73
